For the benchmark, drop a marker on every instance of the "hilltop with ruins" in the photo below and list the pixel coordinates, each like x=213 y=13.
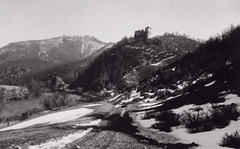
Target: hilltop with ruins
x=143 y=35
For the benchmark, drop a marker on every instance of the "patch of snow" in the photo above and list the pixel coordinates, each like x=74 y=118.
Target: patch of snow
x=92 y=123
x=91 y=105
x=123 y=112
x=61 y=143
x=134 y=94
x=183 y=108
x=206 y=140
x=117 y=106
x=53 y=118
x=194 y=82
x=182 y=85
x=153 y=106
x=232 y=98
x=228 y=62
x=173 y=97
x=114 y=98
x=150 y=99
x=224 y=92
x=165 y=90
x=209 y=75
x=173 y=69
x=202 y=77
x=165 y=59
x=209 y=84
x=144 y=123
x=147 y=104
x=150 y=94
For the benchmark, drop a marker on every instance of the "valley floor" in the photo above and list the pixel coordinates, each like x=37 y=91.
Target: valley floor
x=109 y=126
x=100 y=127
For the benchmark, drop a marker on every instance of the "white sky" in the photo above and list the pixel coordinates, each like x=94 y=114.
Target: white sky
x=111 y=20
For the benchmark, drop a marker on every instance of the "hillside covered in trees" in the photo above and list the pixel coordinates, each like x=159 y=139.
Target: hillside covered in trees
x=112 y=66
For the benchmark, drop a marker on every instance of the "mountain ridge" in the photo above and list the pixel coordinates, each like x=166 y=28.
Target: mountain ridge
x=56 y=50
x=20 y=59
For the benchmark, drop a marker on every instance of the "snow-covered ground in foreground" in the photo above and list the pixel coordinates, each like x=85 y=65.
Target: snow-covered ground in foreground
x=209 y=139
x=53 y=118
x=206 y=140
x=61 y=142
x=144 y=123
x=92 y=123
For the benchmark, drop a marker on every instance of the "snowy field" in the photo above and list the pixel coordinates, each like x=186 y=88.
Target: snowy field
x=206 y=140
x=53 y=118
x=61 y=143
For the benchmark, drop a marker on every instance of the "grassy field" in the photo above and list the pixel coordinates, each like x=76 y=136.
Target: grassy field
x=22 y=109
x=13 y=108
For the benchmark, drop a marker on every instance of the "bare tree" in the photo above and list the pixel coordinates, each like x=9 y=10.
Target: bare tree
x=3 y=100
x=64 y=97
x=103 y=79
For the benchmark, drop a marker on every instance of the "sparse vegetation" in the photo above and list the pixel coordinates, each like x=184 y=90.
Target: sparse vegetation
x=217 y=117
x=231 y=140
x=3 y=100
x=57 y=100
x=35 y=88
x=165 y=120
x=128 y=54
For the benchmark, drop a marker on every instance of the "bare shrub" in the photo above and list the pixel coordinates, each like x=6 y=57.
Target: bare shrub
x=55 y=101
x=166 y=120
x=216 y=117
x=231 y=140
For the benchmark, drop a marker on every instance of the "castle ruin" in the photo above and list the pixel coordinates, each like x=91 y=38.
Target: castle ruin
x=143 y=35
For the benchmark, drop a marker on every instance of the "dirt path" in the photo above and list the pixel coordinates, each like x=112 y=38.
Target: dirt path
x=111 y=134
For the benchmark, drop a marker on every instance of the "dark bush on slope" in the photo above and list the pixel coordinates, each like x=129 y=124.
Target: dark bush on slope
x=166 y=120
x=216 y=117
x=231 y=140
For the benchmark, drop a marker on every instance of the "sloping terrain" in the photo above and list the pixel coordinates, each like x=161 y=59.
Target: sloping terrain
x=196 y=98
x=129 y=55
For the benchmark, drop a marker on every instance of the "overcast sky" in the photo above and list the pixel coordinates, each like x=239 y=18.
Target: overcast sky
x=111 y=20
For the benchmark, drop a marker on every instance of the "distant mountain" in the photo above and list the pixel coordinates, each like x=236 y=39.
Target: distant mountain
x=132 y=59
x=67 y=71
x=19 y=59
x=55 y=50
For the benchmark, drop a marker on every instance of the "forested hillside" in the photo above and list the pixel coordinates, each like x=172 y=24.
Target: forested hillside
x=216 y=61
x=129 y=55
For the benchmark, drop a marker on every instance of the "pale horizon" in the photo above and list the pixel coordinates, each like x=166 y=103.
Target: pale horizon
x=111 y=20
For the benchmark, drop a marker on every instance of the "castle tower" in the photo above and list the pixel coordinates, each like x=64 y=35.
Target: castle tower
x=148 y=32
